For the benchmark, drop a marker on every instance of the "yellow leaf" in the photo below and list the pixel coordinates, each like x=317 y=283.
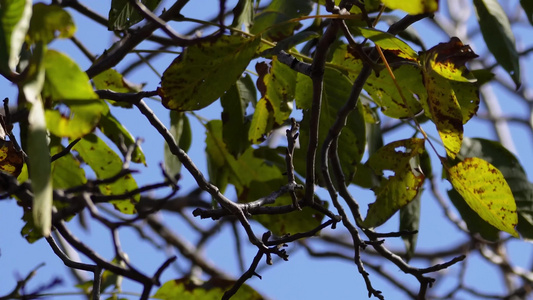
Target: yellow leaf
x=485 y=190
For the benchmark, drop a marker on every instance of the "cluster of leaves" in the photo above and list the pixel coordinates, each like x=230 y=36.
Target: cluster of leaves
x=490 y=188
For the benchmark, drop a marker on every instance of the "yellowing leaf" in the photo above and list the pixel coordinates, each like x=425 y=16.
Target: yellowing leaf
x=205 y=71
x=486 y=191
x=398 y=190
x=389 y=42
x=262 y=122
x=48 y=22
x=385 y=93
x=445 y=111
x=11 y=160
x=413 y=7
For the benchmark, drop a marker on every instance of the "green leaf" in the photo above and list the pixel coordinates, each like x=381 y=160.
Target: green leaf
x=82 y=118
x=200 y=75
x=243 y=15
x=498 y=36
x=290 y=42
x=234 y=124
x=413 y=7
x=14 y=23
x=181 y=131
x=123 y=14
x=239 y=172
x=385 y=93
x=48 y=22
x=37 y=145
x=344 y=61
x=66 y=84
x=527 y=5
x=352 y=139
x=113 y=80
x=66 y=171
x=274 y=22
x=514 y=174
x=485 y=190
x=410 y=221
x=119 y=135
x=65 y=80
x=399 y=189
x=277 y=86
x=187 y=289
x=280 y=224
x=389 y=42
x=106 y=163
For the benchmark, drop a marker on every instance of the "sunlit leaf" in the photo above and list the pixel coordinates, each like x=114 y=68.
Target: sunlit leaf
x=345 y=61
x=413 y=7
x=448 y=60
x=277 y=86
x=123 y=14
x=66 y=170
x=399 y=189
x=82 y=118
x=14 y=23
x=485 y=190
x=49 y=22
x=201 y=74
x=67 y=88
x=473 y=221
x=181 y=131
x=106 y=163
x=444 y=110
x=386 y=95
x=274 y=22
x=11 y=160
x=498 y=36
x=120 y=136
x=187 y=289
x=501 y=158
x=65 y=80
x=389 y=42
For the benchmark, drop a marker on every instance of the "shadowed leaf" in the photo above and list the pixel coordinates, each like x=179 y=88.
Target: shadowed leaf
x=187 y=289
x=498 y=36
x=201 y=74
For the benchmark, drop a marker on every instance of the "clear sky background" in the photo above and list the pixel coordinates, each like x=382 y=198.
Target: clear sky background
x=301 y=277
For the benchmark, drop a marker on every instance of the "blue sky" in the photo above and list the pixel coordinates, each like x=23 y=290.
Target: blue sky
x=301 y=277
